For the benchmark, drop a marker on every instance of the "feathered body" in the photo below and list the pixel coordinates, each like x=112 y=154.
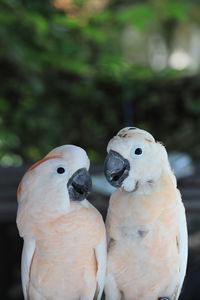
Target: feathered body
x=64 y=253
x=64 y=264
x=146 y=226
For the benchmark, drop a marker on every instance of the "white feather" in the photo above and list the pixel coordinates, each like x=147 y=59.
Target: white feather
x=183 y=245
x=174 y=288
x=101 y=257
x=27 y=256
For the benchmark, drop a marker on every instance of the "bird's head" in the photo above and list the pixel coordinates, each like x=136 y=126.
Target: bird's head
x=51 y=184
x=134 y=159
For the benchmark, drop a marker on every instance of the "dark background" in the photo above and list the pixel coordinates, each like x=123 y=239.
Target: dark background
x=76 y=72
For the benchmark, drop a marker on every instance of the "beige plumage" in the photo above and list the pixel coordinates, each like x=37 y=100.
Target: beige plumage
x=146 y=226
x=64 y=253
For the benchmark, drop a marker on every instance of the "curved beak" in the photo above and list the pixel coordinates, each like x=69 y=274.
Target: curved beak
x=79 y=185
x=116 y=168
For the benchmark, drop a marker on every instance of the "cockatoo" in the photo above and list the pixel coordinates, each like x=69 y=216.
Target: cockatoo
x=146 y=224
x=64 y=251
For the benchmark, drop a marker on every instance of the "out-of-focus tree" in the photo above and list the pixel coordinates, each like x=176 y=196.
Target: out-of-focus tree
x=66 y=76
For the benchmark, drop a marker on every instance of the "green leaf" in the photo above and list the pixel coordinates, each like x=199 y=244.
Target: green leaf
x=176 y=9
x=139 y=15
x=39 y=22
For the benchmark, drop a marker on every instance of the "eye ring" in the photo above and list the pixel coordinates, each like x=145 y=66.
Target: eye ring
x=137 y=151
x=61 y=170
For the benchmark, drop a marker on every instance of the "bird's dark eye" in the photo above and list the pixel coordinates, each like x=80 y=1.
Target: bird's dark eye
x=138 y=151
x=60 y=170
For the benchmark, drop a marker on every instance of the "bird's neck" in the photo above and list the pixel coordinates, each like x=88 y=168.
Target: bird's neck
x=151 y=201
x=166 y=180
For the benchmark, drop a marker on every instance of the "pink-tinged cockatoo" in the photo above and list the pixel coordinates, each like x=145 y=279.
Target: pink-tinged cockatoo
x=146 y=225
x=64 y=251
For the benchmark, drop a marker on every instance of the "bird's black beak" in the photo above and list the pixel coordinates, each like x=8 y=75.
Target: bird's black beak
x=116 y=168
x=79 y=185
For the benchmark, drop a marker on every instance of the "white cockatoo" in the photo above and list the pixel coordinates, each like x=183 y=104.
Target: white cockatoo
x=64 y=251
x=146 y=224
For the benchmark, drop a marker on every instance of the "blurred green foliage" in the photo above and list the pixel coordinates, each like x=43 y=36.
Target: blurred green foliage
x=65 y=79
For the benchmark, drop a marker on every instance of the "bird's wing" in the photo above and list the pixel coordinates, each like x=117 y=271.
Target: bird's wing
x=182 y=245
x=27 y=256
x=101 y=256
x=183 y=242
